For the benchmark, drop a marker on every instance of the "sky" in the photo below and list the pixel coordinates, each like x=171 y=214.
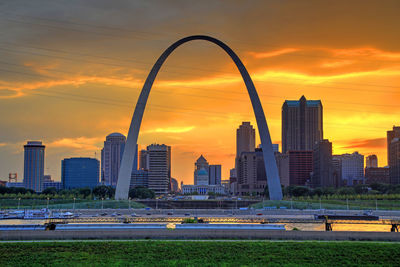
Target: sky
x=71 y=72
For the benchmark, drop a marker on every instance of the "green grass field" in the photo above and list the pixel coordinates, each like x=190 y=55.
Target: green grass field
x=68 y=204
x=198 y=253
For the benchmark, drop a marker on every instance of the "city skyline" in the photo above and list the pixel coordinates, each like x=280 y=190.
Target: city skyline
x=47 y=97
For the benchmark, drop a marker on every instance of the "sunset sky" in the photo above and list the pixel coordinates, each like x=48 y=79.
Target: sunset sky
x=71 y=72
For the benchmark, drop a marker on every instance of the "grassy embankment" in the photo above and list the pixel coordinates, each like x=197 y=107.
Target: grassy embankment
x=197 y=253
x=336 y=204
x=67 y=204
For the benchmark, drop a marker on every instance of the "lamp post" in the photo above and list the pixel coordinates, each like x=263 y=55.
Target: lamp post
x=102 y=202
x=73 y=207
x=48 y=202
x=129 y=201
x=19 y=201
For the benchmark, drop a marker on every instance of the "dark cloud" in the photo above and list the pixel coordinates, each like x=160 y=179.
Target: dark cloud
x=366 y=143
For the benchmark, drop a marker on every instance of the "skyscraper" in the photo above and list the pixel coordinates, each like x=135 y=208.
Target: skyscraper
x=159 y=174
x=245 y=139
x=301 y=124
x=80 y=172
x=252 y=178
x=201 y=163
x=394 y=133
x=111 y=156
x=322 y=175
x=371 y=161
x=394 y=163
x=300 y=167
x=143 y=160
x=352 y=168
x=214 y=173
x=34 y=165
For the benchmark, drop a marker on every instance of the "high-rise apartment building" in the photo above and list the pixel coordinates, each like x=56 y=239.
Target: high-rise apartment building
x=300 y=167
x=214 y=174
x=371 y=161
x=159 y=174
x=245 y=139
x=377 y=175
x=201 y=163
x=322 y=175
x=111 y=156
x=394 y=163
x=301 y=124
x=394 y=133
x=352 y=168
x=80 y=172
x=34 y=165
x=139 y=178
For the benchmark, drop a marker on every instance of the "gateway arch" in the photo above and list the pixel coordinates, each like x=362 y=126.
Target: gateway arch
x=124 y=176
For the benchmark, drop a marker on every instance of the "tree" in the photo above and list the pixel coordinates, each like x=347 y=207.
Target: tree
x=101 y=191
x=49 y=191
x=299 y=191
x=361 y=189
x=85 y=191
x=141 y=193
x=346 y=191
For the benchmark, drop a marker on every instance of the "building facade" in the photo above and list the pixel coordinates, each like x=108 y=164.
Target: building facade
x=371 y=161
x=394 y=163
x=377 y=175
x=352 y=168
x=282 y=162
x=52 y=184
x=214 y=173
x=111 y=156
x=394 y=133
x=159 y=168
x=80 y=173
x=322 y=174
x=201 y=163
x=139 y=178
x=300 y=167
x=34 y=165
x=143 y=160
x=245 y=139
x=203 y=189
x=251 y=176
x=302 y=124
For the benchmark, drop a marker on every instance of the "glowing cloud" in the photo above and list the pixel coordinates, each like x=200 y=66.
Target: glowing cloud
x=81 y=143
x=274 y=53
x=172 y=130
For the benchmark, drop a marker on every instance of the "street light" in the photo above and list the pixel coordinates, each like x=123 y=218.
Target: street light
x=102 y=202
x=129 y=201
x=73 y=207
x=48 y=202
x=19 y=200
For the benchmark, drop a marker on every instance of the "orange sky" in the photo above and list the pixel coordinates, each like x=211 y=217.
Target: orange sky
x=71 y=72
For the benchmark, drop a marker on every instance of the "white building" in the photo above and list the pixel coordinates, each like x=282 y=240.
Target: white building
x=352 y=168
x=203 y=189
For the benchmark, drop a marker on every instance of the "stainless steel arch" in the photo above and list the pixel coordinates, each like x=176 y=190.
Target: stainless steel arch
x=124 y=176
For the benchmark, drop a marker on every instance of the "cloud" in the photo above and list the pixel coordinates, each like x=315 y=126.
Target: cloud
x=366 y=143
x=81 y=143
x=273 y=53
x=2 y=144
x=172 y=130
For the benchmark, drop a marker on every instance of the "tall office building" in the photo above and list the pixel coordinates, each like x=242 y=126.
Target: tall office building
x=201 y=163
x=159 y=174
x=80 y=172
x=301 y=124
x=111 y=156
x=245 y=139
x=371 y=161
x=394 y=133
x=377 y=175
x=352 y=168
x=300 y=167
x=282 y=162
x=214 y=173
x=34 y=165
x=394 y=163
x=251 y=176
x=322 y=175
x=139 y=178
x=143 y=160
